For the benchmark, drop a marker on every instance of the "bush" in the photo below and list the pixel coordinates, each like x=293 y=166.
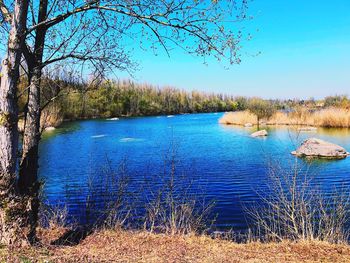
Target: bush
x=336 y=101
x=296 y=210
x=173 y=206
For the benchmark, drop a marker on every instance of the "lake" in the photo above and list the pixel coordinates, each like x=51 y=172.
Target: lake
x=223 y=163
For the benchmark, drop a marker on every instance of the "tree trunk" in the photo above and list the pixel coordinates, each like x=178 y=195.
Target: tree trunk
x=10 y=204
x=31 y=137
x=28 y=175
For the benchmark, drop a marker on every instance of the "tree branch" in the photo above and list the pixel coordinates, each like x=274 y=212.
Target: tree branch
x=53 y=21
x=5 y=12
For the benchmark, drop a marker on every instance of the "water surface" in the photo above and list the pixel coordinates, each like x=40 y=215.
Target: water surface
x=223 y=161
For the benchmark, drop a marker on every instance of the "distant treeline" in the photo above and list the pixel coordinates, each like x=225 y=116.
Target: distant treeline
x=127 y=98
x=70 y=99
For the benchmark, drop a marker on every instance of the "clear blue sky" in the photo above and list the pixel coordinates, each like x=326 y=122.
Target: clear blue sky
x=305 y=52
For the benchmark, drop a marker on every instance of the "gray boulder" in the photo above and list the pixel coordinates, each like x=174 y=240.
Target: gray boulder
x=259 y=133
x=318 y=148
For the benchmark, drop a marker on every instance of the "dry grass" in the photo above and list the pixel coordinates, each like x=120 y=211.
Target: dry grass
x=333 y=117
x=238 y=118
x=330 y=117
x=128 y=246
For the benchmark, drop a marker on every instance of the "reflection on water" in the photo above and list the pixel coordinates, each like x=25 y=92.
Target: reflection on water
x=225 y=161
x=335 y=132
x=66 y=127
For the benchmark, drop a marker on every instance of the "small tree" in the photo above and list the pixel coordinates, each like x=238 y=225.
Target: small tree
x=261 y=108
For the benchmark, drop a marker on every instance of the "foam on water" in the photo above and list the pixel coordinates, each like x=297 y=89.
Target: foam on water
x=99 y=136
x=130 y=140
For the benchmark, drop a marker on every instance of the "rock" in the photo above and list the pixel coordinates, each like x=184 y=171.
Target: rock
x=318 y=148
x=307 y=129
x=248 y=125
x=259 y=133
x=50 y=128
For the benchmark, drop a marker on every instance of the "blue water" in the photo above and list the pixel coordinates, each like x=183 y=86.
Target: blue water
x=223 y=162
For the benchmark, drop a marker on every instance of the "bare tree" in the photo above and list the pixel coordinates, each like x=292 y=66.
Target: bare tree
x=93 y=36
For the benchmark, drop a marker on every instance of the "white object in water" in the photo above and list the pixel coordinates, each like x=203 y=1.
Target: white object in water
x=113 y=119
x=128 y=139
x=98 y=136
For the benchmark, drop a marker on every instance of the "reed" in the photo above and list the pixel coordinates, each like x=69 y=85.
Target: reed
x=328 y=117
x=238 y=118
x=332 y=117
